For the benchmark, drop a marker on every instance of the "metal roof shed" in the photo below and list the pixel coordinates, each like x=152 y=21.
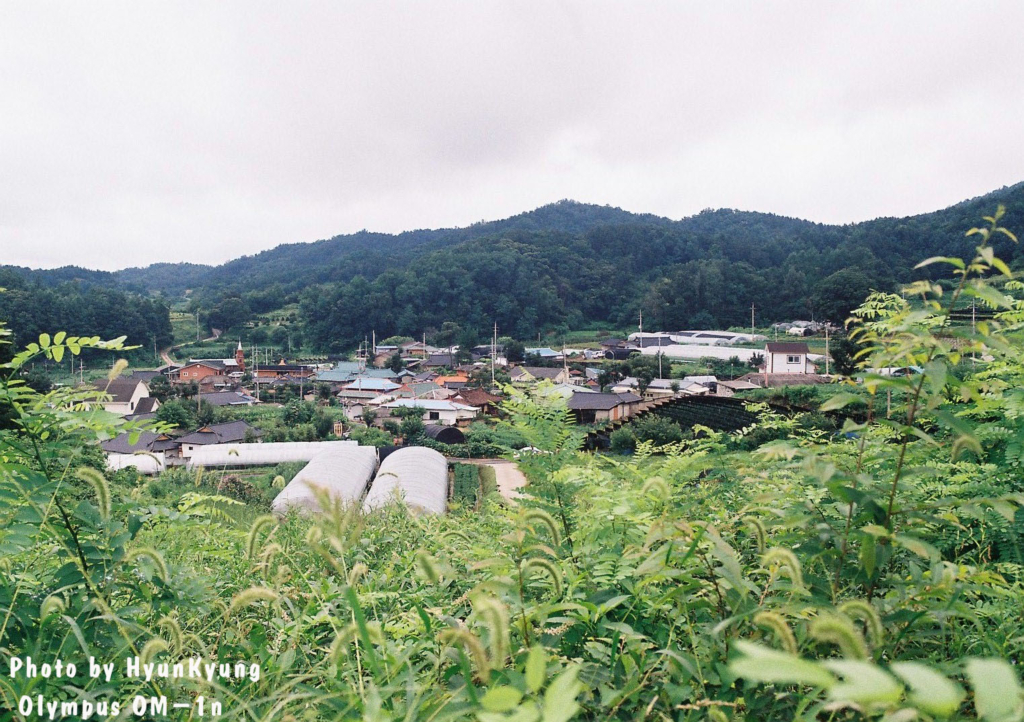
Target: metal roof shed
x=415 y=474
x=342 y=471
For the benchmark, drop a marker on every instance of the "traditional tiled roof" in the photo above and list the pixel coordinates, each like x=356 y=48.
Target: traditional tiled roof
x=225 y=433
x=119 y=390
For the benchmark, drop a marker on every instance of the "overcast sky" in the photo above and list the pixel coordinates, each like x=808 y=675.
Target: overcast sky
x=136 y=132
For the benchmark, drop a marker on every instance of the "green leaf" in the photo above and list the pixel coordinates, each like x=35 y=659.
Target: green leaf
x=44 y=340
x=58 y=353
x=921 y=548
x=560 y=698
x=930 y=691
x=863 y=683
x=997 y=693
x=942 y=259
x=536 y=666
x=501 y=699
x=761 y=664
x=867 y=554
x=840 y=400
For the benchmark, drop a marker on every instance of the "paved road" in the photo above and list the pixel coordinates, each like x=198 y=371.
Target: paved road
x=507 y=475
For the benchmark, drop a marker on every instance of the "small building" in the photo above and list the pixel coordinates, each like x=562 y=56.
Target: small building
x=731 y=388
x=228 y=398
x=486 y=402
x=547 y=354
x=596 y=407
x=148 y=455
x=441 y=360
x=455 y=381
x=283 y=370
x=230 y=432
x=787 y=357
x=363 y=389
x=448 y=413
x=533 y=374
x=125 y=396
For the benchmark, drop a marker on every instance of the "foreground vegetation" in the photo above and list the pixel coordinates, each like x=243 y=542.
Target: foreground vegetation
x=870 y=572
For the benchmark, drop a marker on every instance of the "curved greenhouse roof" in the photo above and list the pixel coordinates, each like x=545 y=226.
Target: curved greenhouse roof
x=144 y=462
x=262 y=454
x=342 y=471
x=415 y=474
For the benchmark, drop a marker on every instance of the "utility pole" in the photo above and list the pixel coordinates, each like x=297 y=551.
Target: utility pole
x=641 y=324
x=826 y=349
x=197 y=324
x=494 y=351
x=660 y=375
x=974 y=355
x=751 y=320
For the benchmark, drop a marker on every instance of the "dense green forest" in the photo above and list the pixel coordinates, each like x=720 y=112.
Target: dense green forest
x=568 y=265
x=83 y=308
x=783 y=571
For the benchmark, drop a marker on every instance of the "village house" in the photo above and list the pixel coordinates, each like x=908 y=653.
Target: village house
x=364 y=389
x=481 y=399
x=126 y=397
x=589 y=408
x=455 y=381
x=282 y=370
x=544 y=353
x=441 y=360
x=787 y=357
x=416 y=349
x=228 y=398
x=149 y=454
x=533 y=374
x=230 y=432
x=446 y=413
x=198 y=369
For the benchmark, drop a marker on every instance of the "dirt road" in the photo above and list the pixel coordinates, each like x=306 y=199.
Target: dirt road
x=165 y=354
x=507 y=475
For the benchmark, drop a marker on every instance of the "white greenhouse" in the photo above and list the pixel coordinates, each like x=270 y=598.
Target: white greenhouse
x=144 y=462
x=262 y=454
x=343 y=471
x=416 y=475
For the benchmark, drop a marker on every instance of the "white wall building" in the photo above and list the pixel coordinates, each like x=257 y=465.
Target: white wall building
x=789 y=357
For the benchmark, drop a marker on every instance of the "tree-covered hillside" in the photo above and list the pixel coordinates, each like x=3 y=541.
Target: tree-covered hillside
x=570 y=264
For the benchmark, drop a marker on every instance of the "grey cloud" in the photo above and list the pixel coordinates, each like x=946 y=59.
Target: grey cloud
x=135 y=133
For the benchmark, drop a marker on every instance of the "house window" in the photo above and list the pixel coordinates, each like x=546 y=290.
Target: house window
x=792 y=359
x=434 y=415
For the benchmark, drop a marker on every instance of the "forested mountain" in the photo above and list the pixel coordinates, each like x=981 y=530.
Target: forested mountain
x=40 y=303
x=568 y=264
